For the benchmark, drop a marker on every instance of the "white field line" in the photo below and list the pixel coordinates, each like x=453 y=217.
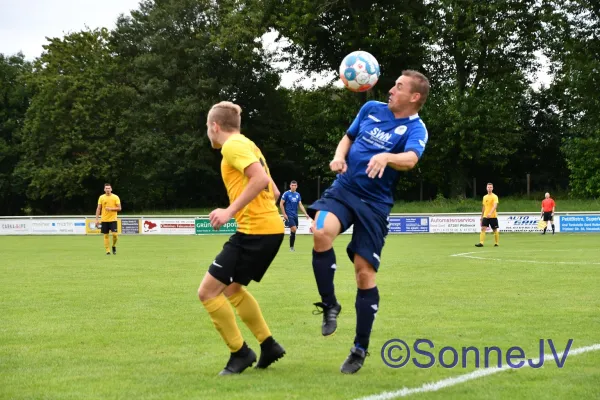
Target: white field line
x=468 y=255
x=444 y=383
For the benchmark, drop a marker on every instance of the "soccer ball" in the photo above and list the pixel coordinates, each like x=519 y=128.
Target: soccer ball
x=359 y=71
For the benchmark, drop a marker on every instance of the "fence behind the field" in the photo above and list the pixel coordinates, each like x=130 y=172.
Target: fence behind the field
x=571 y=222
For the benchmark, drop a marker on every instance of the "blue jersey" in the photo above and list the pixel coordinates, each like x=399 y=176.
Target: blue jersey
x=376 y=130
x=291 y=200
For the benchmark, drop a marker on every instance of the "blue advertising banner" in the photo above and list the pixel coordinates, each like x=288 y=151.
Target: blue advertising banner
x=580 y=223
x=409 y=224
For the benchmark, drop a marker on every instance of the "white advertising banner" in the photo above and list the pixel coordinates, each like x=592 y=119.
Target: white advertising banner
x=15 y=227
x=522 y=223
x=454 y=224
x=58 y=226
x=168 y=226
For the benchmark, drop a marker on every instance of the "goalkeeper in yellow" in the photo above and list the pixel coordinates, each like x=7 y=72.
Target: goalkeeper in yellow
x=489 y=216
x=249 y=252
x=108 y=206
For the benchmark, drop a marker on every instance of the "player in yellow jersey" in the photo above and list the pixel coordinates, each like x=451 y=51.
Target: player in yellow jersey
x=489 y=216
x=249 y=252
x=108 y=206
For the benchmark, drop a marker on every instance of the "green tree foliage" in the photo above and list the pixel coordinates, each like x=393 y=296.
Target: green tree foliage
x=485 y=51
x=70 y=141
x=575 y=52
x=14 y=100
x=182 y=57
x=322 y=32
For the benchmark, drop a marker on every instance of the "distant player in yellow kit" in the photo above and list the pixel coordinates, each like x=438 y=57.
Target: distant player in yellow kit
x=489 y=216
x=108 y=206
x=249 y=252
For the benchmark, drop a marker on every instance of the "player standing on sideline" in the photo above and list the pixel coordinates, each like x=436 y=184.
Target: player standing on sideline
x=489 y=216
x=381 y=136
x=108 y=206
x=548 y=207
x=249 y=252
x=289 y=208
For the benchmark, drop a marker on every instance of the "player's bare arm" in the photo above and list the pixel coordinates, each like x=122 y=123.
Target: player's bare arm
x=400 y=162
x=276 y=192
x=492 y=210
x=257 y=181
x=282 y=206
x=304 y=210
x=98 y=212
x=338 y=164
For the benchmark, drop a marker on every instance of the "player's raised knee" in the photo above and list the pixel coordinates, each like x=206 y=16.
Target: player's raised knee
x=325 y=227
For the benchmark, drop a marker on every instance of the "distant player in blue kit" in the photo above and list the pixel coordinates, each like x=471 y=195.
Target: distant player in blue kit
x=383 y=140
x=290 y=201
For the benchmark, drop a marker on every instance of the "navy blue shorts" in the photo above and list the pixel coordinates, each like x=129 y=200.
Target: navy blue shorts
x=291 y=221
x=370 y=226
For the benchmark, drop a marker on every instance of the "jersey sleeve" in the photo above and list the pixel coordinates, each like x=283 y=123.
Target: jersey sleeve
x=238 y=154
x=100 y=200
x=417 y=139
x=284 y=197
x=117 y=200
x=496 y=199
x=354 y=128
x=299 y=198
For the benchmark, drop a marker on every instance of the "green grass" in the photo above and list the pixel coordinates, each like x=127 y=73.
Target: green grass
x=442 y=205
x=76 y=324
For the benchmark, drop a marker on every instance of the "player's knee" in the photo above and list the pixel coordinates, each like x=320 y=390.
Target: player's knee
x=203 y=294
x=322 y=239
x=233 y=289
x=365 y=277
x=293 y=229
x=364 y=272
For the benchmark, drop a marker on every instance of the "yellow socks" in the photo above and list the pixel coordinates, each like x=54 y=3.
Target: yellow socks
x=497 y=237
x=224 y=320
x=249 y=311
x=115 y=239
x=106 y=243
x=481 y=237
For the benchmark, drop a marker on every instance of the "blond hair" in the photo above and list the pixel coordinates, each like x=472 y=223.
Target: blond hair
x=227 y=115
x=420 y=84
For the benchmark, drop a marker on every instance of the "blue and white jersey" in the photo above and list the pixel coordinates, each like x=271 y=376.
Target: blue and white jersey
x=376 y=130
x=291 y=200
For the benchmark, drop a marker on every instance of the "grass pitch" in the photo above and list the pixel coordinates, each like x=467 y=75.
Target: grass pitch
x=76 y=324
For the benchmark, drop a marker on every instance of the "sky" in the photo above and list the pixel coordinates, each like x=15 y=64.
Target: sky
x=25 y=24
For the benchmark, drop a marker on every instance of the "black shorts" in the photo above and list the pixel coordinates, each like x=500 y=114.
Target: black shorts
x=245 y=258
x=108 y=226
x=548 y=216
x=491 y=222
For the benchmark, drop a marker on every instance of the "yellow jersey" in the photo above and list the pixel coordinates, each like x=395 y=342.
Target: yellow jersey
x=488 y=202
x=108 y=201
x=260 y=216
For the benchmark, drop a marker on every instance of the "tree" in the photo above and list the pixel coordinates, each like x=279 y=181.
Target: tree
x=575 y=52
x=182 y=57
x=70 y=141
x=480 y=71
x=14 y=100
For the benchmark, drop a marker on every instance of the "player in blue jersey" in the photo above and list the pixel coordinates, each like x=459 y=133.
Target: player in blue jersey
x=290 y=201
x=383 y=140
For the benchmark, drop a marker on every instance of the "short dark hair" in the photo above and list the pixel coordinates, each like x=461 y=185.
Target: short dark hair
x=292 y=182
x=490 y=183
x=420 y=84
x=107 y=184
